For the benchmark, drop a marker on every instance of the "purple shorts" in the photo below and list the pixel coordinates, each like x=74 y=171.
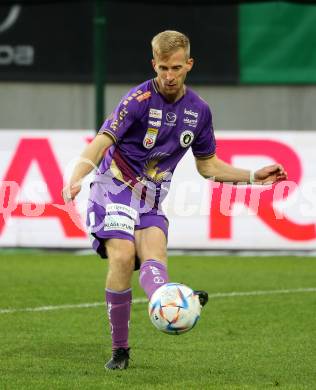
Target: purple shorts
x=115 y=211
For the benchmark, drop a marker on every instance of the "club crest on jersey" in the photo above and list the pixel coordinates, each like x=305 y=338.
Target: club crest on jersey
x=186 y=138
x=150 y=138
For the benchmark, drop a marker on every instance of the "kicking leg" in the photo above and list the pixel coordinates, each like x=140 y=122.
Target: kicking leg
x=151 y=248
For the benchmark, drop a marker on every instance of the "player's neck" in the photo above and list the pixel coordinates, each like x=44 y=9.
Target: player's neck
x=168 y=97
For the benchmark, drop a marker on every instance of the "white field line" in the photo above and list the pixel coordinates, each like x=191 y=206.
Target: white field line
x=144 y=300
x=61 y=307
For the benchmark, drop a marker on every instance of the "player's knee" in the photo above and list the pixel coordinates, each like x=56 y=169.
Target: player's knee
x=127 y=261
x=121 y=254
x=122 y=260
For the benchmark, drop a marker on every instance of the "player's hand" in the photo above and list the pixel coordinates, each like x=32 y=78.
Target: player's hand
x=270 y=174
x=70 y=191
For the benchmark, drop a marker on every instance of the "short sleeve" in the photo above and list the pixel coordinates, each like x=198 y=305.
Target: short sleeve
x=124 y=115
x=204 y=144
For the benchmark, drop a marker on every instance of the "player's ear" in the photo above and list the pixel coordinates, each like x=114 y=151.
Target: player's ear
x=189 y=64
x=153 y=62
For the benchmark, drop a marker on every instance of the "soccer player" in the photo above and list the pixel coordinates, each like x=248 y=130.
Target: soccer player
x=136 y=151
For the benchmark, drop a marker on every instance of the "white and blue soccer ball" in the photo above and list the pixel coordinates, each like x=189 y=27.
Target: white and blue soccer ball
x=174 y=308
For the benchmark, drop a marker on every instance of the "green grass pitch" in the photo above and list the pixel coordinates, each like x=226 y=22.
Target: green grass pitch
x=241 y=342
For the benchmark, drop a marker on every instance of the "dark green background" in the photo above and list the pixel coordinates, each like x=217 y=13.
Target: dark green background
x=277 y=43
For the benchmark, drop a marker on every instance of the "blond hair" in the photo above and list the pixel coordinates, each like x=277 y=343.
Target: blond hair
x=169 y=41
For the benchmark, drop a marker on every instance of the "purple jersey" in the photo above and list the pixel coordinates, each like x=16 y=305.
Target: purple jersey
x=151 y=135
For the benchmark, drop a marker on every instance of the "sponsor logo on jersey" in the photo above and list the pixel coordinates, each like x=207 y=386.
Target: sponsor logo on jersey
x=190 y=122
x=120 y=116
x=154 y=123
x=186 y=138
x=114 y=125
x=171 y=118
x=153 y=113
x=119 y=222
x=144 y=96
x=150 y=138
x=123 y=113
x=190 y=112
x=121 y=208
x=131 y=97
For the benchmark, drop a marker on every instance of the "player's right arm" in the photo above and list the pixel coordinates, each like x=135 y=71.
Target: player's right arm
x=89 y=159
x=112 y=131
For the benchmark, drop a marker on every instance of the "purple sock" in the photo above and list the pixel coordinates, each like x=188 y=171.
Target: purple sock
x=153 y=274
x=119 y=308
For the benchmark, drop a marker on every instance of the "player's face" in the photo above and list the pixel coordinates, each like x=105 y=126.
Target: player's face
x=171 y=73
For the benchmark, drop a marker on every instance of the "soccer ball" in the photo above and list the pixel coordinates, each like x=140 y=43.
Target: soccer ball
x=174 y=308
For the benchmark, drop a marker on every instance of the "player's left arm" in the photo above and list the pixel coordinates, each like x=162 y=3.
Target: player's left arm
x=217 y=170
